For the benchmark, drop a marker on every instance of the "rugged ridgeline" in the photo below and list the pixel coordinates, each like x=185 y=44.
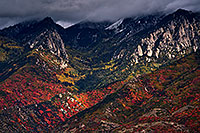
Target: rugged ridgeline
x=83 y=77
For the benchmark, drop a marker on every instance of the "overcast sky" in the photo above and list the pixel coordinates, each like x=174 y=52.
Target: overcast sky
x=67 y=12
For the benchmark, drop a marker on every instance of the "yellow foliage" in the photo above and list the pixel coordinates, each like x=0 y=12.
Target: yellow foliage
x=156 y=65
x=32 y=53
x=123 y=104
x=2 y=56
x=63 y=78
x=12 y=46
x=130 y=77
x=109 y=66
x=15 y=47
x=91 y=73
x=71 y=78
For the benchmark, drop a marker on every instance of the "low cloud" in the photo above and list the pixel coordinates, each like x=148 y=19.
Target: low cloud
x=67 y=12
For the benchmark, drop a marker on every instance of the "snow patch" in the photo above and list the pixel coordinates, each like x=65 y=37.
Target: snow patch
x=115 y=25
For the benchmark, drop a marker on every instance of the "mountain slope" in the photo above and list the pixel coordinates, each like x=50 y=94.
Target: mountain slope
x=165 y=100
x=101 y=76
x=172 y=37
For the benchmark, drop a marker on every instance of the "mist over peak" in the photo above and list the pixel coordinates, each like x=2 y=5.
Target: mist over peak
x=69 y=12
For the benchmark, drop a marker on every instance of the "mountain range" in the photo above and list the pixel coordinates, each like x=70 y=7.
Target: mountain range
x=138 y=74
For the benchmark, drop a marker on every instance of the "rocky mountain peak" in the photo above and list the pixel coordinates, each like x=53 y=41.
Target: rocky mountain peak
x=48 y=19
x=180 y=15
x=182 y=12
x=47 y=22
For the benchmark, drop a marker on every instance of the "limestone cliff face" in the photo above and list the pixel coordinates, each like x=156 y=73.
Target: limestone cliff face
x=178 y=37
x=50 y=40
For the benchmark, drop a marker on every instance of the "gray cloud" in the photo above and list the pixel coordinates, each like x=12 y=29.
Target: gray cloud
x=67 y=12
